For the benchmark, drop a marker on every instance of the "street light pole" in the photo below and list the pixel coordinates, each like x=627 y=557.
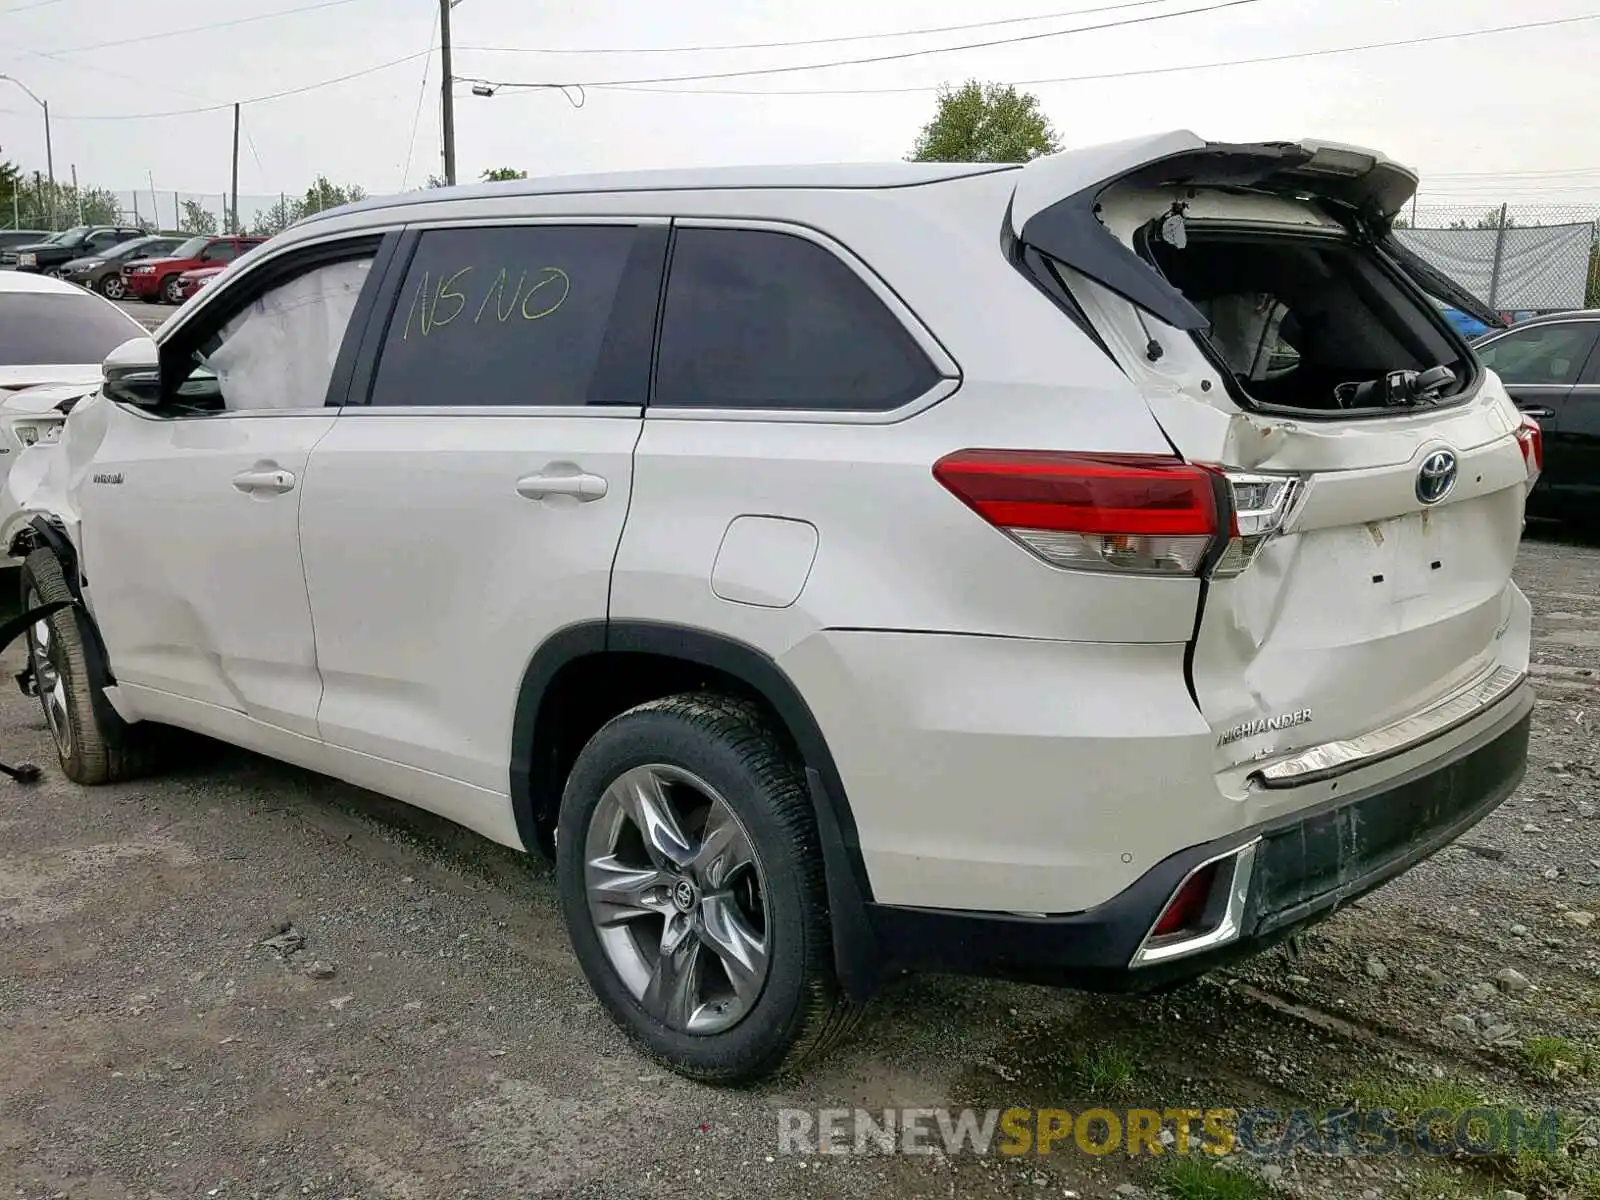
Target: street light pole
x=49 y=153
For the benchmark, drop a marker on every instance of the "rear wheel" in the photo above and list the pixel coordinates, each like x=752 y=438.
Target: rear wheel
x=691 y=884
x=93 y=743
x=112 y=287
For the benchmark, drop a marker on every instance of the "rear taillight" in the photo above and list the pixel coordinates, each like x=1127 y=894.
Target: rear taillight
x=1531 y=438
x=1133 y=513
x=1144 y=514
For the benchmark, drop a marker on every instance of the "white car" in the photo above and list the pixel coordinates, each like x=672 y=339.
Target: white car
x=1082 y=572
x=53 y=336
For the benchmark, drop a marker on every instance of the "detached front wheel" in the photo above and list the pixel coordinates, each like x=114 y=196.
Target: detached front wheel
x=692 y=888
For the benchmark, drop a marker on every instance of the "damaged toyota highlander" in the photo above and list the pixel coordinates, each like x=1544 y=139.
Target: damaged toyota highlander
x=1084 y=572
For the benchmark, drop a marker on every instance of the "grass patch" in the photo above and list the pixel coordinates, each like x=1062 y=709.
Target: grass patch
x=1409 y=1098
x=1197 y=1179
x=1552 y=1058
x=1105 y=1074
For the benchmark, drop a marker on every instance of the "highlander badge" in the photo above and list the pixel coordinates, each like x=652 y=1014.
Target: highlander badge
x=1265 y=725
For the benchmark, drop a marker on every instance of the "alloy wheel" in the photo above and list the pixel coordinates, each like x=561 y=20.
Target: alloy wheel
x=52 y=685
x=677 y=894
x=112 y=288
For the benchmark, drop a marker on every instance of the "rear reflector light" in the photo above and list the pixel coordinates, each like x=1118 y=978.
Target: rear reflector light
x=1144 y=514
x=1127 y=513
x=1531 y=438
x=1187 y=909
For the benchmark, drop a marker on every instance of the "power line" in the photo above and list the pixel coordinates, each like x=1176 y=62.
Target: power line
x=422 y=91
x=824 y=41
x=172 y=33
x=296 y=91
x=6 y=12
x=1136 y=73
x=881 y=58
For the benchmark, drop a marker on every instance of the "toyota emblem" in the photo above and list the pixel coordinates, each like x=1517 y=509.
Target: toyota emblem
x=1436 y=477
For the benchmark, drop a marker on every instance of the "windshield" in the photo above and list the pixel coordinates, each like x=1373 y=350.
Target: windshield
x=38 y=329
x=191 y=248
x=70 y=237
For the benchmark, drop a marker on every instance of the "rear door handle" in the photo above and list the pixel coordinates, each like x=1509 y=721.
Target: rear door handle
x=1539 y=414
x=582 y=485
x=275 y=480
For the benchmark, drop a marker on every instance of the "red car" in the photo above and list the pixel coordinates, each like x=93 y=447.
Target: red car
x=191 y=282
x=156 y=279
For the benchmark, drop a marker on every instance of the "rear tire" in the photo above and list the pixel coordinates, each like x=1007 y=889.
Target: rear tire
x=708 y=942
x=94 y=744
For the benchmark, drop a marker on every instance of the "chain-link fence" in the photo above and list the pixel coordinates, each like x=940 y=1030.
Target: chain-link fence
x=33 y=205
x=1519 y=259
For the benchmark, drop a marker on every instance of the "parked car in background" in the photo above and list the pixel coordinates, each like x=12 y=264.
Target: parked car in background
x=157 y=280
x=49 y=256
x=1467 y=325
x=191 y=282
x=54 y=332
x=12 y=238
x=1551 y=367
x=103 y=272
x=53 y=337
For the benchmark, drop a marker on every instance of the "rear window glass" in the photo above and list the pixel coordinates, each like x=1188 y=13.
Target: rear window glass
x=764 y=320
x=39 y=329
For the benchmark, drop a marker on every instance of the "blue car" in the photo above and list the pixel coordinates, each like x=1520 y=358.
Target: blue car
x=1466 y=325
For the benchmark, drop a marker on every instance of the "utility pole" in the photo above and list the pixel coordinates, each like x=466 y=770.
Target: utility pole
x=1499 y=259
x=77 y=193
x=49 y=152
x=447 y=111
x=234 y=221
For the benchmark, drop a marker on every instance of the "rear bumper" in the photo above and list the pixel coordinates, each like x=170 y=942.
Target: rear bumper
x=1306 y=865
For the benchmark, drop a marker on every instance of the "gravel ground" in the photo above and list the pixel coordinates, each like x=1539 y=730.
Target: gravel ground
x=245 y=980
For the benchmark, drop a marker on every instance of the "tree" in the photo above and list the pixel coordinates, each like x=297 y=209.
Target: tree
x=1489 y=220
x=501 y=174
x=323 y=195
x=275 y=218
x=197 y=219
x=985 y=122
x=437 y=181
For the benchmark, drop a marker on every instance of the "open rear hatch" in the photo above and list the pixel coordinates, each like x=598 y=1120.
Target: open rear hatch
x=1255 y=296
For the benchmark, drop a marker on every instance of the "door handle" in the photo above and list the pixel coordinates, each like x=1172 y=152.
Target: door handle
x=275 y=480
x=1539 y=414
x=582 y=485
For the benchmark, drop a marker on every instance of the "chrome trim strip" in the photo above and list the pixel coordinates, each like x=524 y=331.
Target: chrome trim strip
x=1336 y=758
x=1226 y=930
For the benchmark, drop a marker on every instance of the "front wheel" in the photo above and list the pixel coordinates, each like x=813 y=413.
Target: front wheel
x=112 y=287
x=692 y=888
x=171 y=290
x=93 y=743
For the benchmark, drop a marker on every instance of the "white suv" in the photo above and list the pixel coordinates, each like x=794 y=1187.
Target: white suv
x=841 y=570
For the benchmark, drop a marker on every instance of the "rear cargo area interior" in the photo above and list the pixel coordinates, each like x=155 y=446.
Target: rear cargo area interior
x=1294 y=316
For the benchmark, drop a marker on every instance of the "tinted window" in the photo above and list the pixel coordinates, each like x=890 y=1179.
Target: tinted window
x=1541 y=354
x=37 y=329
x=219 y=252
x=516 y=315
x=767 y=320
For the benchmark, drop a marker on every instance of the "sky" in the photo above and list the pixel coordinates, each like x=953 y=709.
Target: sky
x=1502 y=116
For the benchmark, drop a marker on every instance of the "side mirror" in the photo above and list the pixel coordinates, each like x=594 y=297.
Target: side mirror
x=133 y=373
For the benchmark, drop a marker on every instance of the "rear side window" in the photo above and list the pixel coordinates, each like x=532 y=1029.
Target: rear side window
x=518 y=315
x=1551 y=354
x=762 y=320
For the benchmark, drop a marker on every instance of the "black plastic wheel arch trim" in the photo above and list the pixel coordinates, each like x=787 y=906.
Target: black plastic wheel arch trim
x=857 y=957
